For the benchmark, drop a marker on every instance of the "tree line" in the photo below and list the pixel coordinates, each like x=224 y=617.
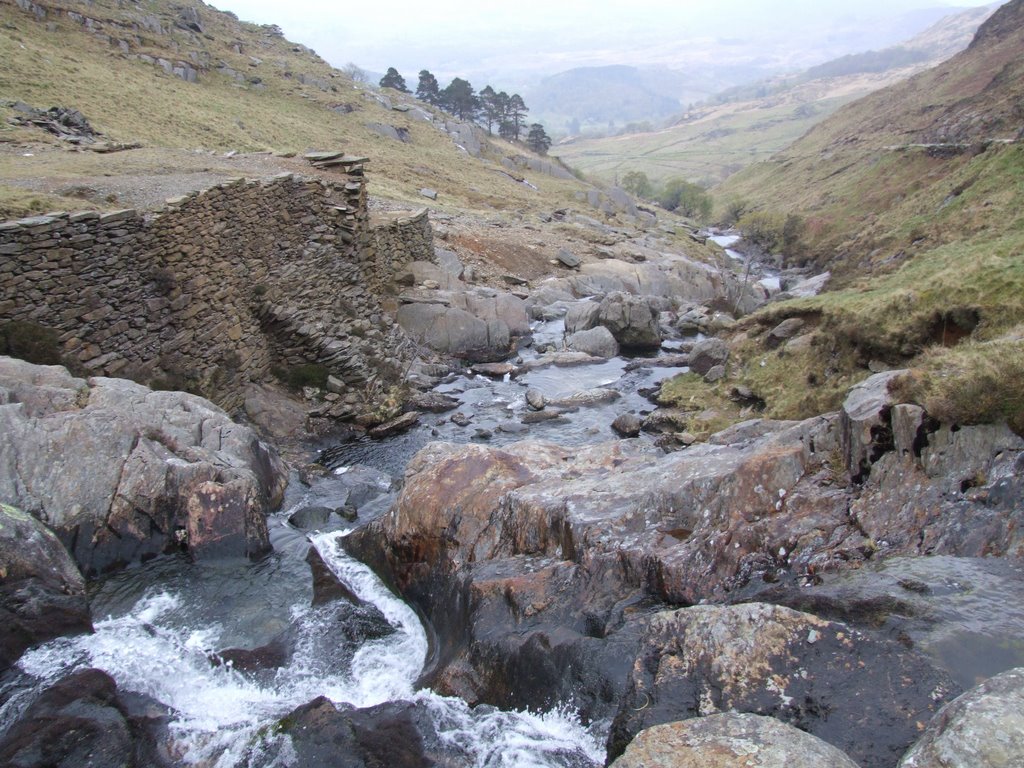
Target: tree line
x=491 y=109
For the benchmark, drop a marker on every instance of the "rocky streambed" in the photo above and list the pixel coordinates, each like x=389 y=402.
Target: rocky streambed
x=560 y=594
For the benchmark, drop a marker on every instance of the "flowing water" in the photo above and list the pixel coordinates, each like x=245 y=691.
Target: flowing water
x=160 y=627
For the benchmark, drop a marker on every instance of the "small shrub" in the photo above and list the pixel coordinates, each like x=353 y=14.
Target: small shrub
x=31 y=342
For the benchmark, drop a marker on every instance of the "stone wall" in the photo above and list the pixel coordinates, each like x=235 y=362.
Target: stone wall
x=221 y=287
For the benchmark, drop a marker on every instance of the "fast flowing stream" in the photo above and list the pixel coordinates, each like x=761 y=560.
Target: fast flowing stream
x=161 y=627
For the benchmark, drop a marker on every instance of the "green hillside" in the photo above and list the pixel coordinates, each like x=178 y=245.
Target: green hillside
x=254 y=92
x=749 y=123
x=914 y=198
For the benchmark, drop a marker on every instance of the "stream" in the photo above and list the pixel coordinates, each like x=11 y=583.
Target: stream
x=160 y=625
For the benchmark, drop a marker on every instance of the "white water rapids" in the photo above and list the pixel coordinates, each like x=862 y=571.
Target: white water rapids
x=225 y=719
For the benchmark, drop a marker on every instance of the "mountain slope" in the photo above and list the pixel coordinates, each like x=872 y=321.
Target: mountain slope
x=750 y=122
x=185 y=76
x=913 y=197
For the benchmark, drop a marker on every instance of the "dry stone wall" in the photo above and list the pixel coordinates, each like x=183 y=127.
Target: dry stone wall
x=221 y=287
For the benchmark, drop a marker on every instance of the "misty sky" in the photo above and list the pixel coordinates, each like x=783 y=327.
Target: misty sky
x=543 y=37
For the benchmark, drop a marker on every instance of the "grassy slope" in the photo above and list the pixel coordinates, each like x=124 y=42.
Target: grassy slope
x=131 y=101
x=928 y=251
x=716 y=141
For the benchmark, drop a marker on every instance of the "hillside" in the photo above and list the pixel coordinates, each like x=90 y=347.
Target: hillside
x=190 y=84
x=912 y=197
x=750 y=122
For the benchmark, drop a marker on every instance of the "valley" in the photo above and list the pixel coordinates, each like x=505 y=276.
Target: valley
x=340 y=431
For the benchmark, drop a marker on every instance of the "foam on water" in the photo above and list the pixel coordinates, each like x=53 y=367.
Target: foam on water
x=221 y=716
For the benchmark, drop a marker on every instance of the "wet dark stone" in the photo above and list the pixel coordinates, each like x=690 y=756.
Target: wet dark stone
x=83 y=721
x=326 y=586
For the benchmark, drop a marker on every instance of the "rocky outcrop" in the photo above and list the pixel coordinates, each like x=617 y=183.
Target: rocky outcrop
x=540 y=567
x=730 y=741
x=984 y=728
x=42 y=593
x=122 y=473
x=632 y=321
x=865 y=696
x=84 y=720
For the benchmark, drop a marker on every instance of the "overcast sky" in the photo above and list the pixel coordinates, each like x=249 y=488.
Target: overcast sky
x=462 y=37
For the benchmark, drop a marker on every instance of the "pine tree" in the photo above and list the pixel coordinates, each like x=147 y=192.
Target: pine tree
x=428 y=89
x=460 y=99
x=516 y=114
x=393 y=80
x=538 y=139
x=491 y=110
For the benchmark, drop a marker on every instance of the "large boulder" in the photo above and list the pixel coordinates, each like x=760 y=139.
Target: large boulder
x=708 y=354
x=865 y=696
x=84 y=720
x=455 y=331
x=984 y=728
x=121 y=473
x=730 y=740
x=598 y=342
x=631 y=320
x=867 y=432
x=42 y=593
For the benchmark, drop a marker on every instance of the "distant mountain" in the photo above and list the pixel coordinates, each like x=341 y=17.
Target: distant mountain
x=749 y=122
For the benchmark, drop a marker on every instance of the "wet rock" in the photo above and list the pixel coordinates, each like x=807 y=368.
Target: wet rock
x=494 y=370
x=432 y=402
x=631 y=321
x=309 y=518
x=961 y=611
x=535 y=399
x=984 y=728
x=395 y=734
x=121 y=473
x=395 y=426
x=730 y=740
x=708 y=353
x=327 y=587
x=536 y=417
x=83 y=720
x=627 y=425
x=512 y=427
x=594 y=396
x=42 y=593
x=867 y=697
x=460 y=419
x=598 y=342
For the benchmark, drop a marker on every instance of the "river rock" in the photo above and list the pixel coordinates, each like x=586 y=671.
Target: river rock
x=395 y=426
x=582 y=316
x=121 y=473
x=708 y=353
x=535 y=399
x=962 y=611
x=455 y=331
x=595 y=396
x=83 y=720
x=867 y=697
x=42 y=593
x=275 y=413
x=730 y=740
x=395 y=734
x=598 y=342
x=494 y=370
x=627 y=425
x=432 y=402
x=327 y=587
x=631 y=320
x=984 y=728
